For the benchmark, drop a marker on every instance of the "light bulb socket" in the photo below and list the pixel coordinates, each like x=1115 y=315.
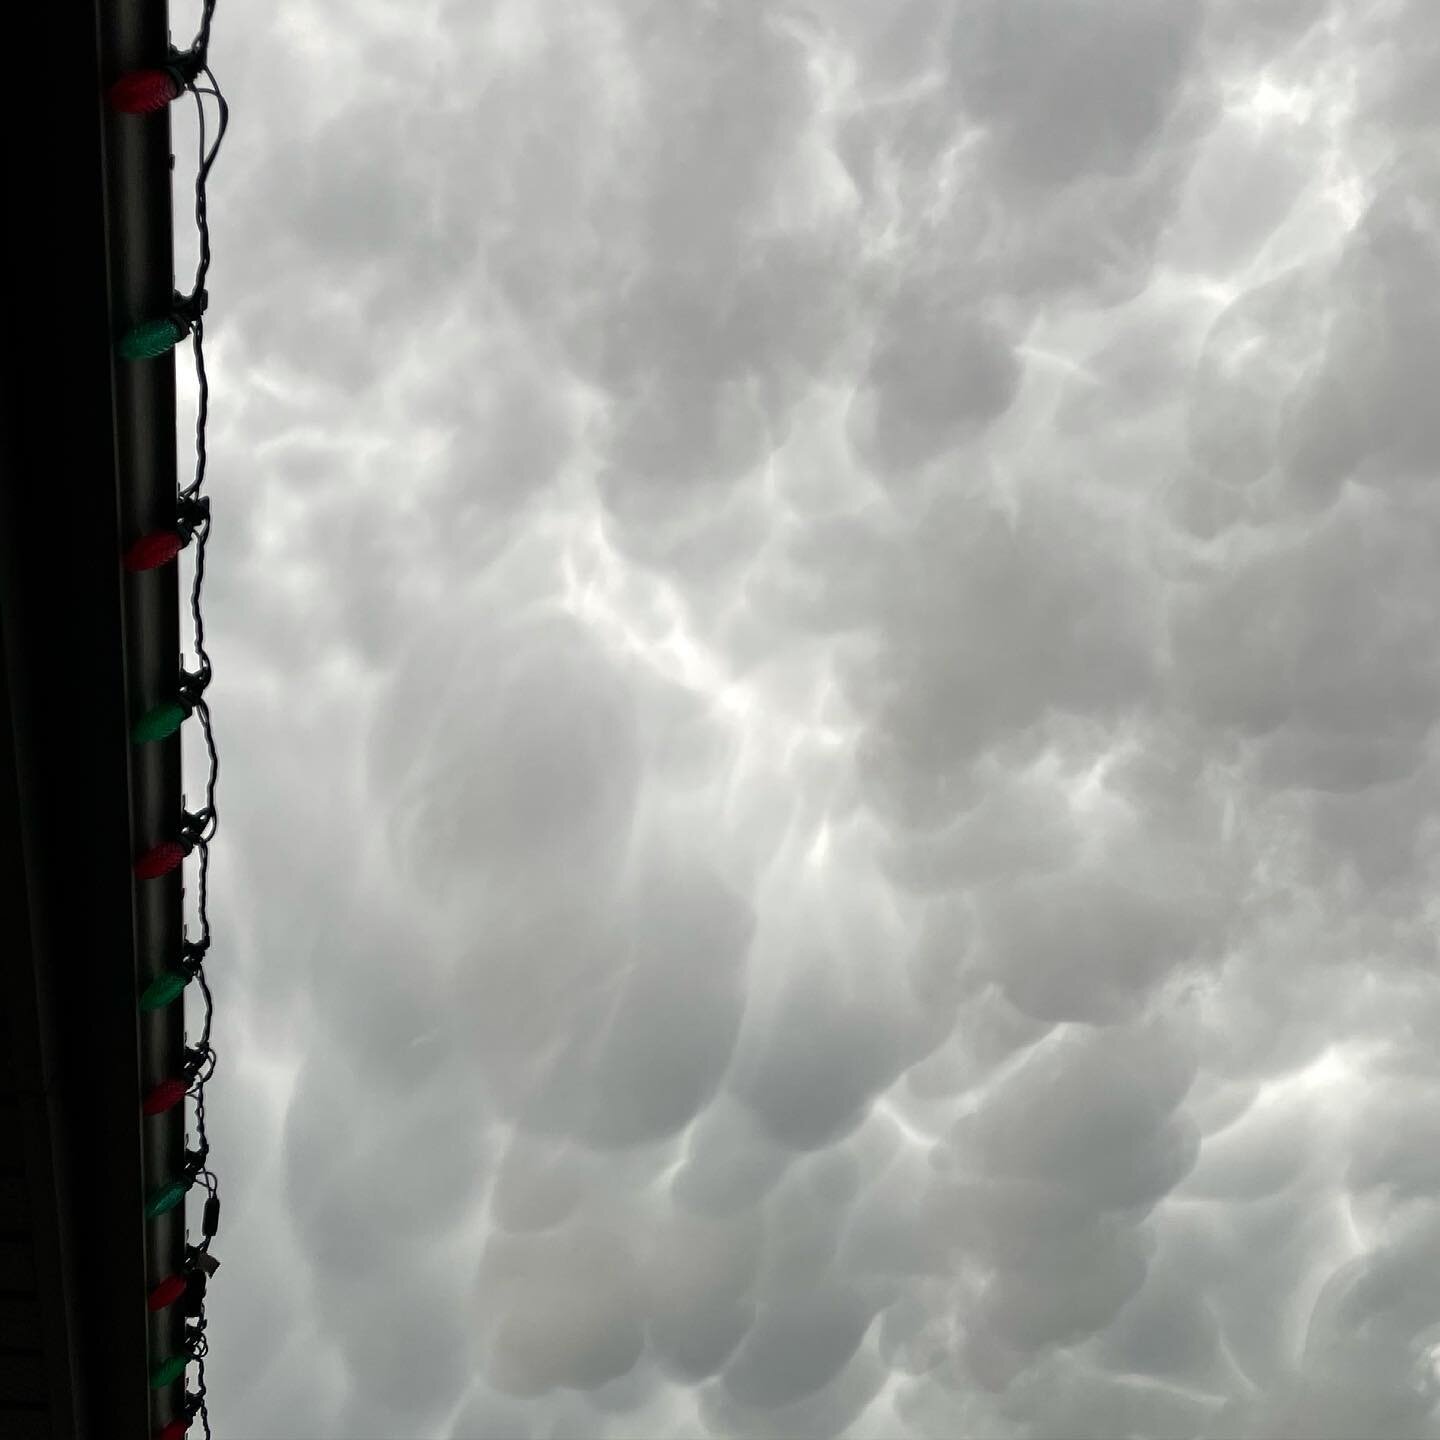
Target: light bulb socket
x=189 y=308
x=199 y=1258
x=191 y=688
x=194 y=1061
x=186 y=310
x=186 y=65
x=191 y=512
x=192 y=1302
x=193 y=825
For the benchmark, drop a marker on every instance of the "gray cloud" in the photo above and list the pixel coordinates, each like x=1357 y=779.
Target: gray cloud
x=822 y=632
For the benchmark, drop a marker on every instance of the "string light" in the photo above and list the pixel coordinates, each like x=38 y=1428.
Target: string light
x=176 y=1429
x=165 y=1198
x=164 y=989
x=160 y=547
x=168 y=1371
x=152 y=337
x=170 y=984
x=162 y=333
x=160 y=722
x=168 y=1291
x=167 y=855
x=153 y=550
x=182 y=1423
x=140 y=92
x=164 y=1096
x=160 y=860
x=166 y=718
x=172 y=1090
x=188 y=1284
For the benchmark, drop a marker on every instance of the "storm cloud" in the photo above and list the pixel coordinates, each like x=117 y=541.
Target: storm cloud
x=823 y=620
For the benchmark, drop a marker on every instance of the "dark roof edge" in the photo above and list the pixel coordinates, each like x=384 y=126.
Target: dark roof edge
x=88 y=456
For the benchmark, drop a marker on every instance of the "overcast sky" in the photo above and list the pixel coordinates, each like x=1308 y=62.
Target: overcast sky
x=824 y=620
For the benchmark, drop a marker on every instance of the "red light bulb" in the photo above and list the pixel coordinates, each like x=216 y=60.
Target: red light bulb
x=143 y=91
x=168 y=1291
x=175 y=1430
x=164 y=1096
x=151 y=551
x=159 y=860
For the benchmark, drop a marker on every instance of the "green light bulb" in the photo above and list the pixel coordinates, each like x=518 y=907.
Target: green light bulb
x=165 y=987
x=151 y=338
x=167 y=1372
x=163 y=720
x=167 y=1197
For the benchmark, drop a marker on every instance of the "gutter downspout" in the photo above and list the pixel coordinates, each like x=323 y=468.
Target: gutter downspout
x=137 y=169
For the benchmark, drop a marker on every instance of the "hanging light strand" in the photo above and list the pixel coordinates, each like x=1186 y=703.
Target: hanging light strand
x=144 y=92
x=198 y=1343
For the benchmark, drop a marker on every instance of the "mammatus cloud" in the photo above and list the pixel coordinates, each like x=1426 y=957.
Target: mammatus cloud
x=825 y=612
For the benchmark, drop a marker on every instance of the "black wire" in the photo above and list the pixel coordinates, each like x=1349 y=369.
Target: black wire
x=201 y=535
x=202 y=268
x=202 y=39
x=202 y=410
x=209 y=1012
x=200 y=1133
x=204 y=1068
x=204 y=1411
x=199 y=1347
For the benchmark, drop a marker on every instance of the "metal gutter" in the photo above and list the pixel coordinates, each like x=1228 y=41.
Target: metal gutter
x=140 y=227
